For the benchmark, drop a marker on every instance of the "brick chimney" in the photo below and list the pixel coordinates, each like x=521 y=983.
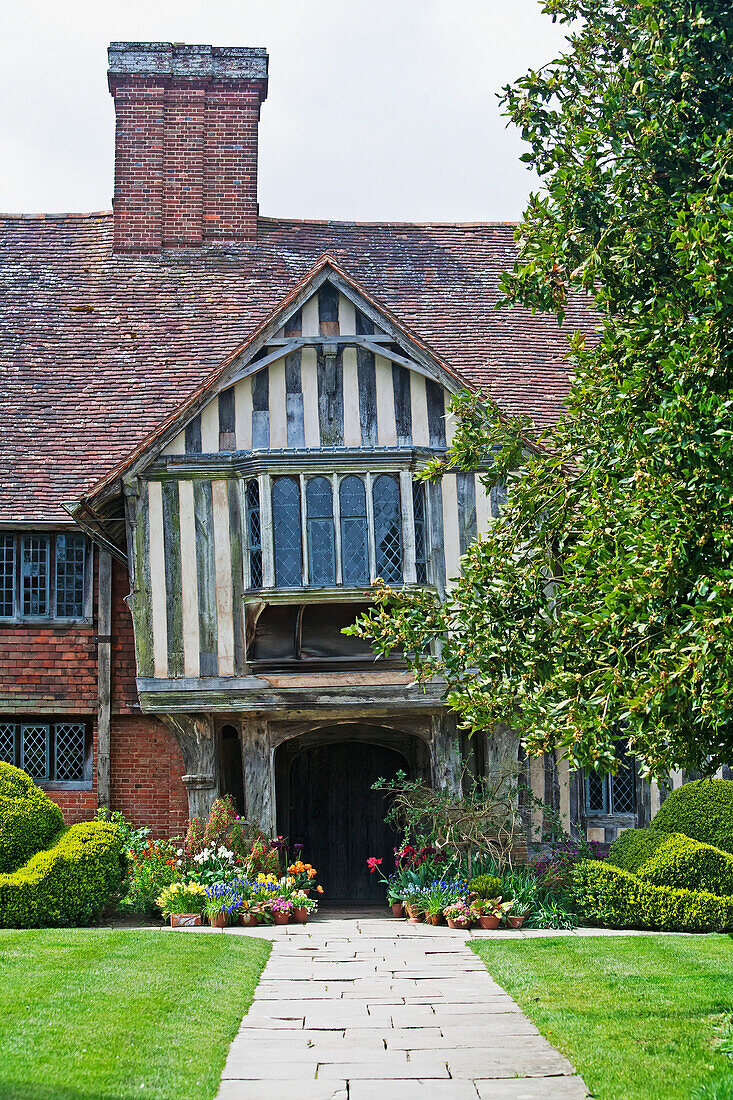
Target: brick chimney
x=186 y=143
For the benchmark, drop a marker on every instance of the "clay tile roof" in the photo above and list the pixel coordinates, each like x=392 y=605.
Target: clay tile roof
x=98 y=349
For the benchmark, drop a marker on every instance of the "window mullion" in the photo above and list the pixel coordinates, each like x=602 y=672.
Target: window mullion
x=408 y=529
x=305 y=576
x=337 y=525
x=266 y=532
x=370 y=529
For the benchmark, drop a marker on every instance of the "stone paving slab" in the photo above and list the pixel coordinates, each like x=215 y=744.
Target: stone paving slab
x=347 y=1008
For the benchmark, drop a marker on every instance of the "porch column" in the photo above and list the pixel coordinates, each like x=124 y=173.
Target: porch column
x=197 y=742
x=445 y=755
x=259 y=775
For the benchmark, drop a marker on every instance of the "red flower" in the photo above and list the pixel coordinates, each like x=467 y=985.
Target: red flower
x=372 y=864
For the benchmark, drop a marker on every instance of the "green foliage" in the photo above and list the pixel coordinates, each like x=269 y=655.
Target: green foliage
x=671 y=859
x=614 y=898
x=69 y=883
x=486 y=886
x=28 y=819
x=702 y=810
x=600 y=605
x=150 y=868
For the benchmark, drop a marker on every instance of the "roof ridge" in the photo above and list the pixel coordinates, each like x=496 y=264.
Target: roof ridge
x=74 y=214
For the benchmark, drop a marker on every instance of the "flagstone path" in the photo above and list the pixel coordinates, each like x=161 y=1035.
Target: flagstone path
x=373 y=1008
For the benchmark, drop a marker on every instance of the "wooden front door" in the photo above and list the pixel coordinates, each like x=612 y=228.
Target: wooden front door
x=325 y=802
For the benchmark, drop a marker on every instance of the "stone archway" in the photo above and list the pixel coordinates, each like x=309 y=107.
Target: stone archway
x=325 y=801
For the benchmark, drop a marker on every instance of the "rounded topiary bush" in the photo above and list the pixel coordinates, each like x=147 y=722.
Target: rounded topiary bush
x=702 y=810
x=672 y=859
x=29 y=820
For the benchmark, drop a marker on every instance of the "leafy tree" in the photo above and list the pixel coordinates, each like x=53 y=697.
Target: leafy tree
x=600 y=605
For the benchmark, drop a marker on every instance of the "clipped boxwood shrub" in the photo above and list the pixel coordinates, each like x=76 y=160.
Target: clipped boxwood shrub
x=486 y=886
x=70 y=883
x=671 y=859
x=614 y=898
x=702 y=810
x=29 y=820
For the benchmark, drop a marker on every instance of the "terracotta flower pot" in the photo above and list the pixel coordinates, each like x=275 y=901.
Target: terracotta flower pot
x=414 y=914
x=461 y=924
x=282 y=918
x=218 y=920
x=301 y=915
x=398 y=909
x=486 y=920
x=185 y=920
x=249 y=920
x=515 y=921
x=433 y=918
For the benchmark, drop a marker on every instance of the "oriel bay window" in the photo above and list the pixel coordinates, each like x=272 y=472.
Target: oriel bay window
x=326 y=530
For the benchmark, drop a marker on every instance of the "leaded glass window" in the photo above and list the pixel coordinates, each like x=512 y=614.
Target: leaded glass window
x=7 y=575
x=287 y=532
x=70 y=572
x=420 y=516
x=7 y=743
x=69 y=751
x=35 y=751
x=319 y=521
x=354 y=534
x=387 y=528
x=34 y=574
x=254 y=533
x=57 y=753
x=612 y=794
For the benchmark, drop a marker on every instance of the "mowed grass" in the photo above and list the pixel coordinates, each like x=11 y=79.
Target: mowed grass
x=636 y=1015
x=114 y=1014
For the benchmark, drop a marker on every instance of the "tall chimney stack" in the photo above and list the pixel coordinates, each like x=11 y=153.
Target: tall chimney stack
x=186 y=143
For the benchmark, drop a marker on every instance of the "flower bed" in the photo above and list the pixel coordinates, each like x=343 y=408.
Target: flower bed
x=224 y=871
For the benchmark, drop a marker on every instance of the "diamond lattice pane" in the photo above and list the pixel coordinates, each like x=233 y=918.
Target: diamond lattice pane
x=34 y=751
x=287 y=532
x=354 y=536
x=70 y=752
x=7 y=743
x=387 y=529
x=70 y=564
x=623 y=788
x=595 y=793
x=254 y=533
x=7 y=575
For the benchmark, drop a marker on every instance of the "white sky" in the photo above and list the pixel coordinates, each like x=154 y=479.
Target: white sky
x=377 y=109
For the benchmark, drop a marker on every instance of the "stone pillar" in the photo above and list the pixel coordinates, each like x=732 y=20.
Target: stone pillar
x=196 y=739
x=445 y=756
x=258 y=769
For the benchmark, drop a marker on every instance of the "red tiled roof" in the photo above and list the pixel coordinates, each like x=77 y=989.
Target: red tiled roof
x=98 y=349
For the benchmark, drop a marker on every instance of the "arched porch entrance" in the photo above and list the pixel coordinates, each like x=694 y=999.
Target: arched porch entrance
x=325 y=801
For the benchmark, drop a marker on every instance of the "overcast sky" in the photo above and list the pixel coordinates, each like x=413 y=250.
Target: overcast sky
x=377 y=109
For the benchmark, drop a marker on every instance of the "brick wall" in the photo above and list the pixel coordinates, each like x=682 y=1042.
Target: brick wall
x=146 y=775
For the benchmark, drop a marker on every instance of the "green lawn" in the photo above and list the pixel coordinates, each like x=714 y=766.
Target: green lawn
x=114 y=1014
x=636 y=1015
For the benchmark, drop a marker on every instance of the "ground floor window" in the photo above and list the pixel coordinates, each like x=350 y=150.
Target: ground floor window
x=612 y=794
x=50 y=752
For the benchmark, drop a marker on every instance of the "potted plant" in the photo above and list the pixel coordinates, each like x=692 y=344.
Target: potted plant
x=183 y=902
x=303 y=906
x=414 y=904
x=281 y=908
x=516 y=918
x=302 y=876
x=459 y=914
x=222 y=901
x=490 y=911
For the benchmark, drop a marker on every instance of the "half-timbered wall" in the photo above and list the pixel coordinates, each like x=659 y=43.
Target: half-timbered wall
x=321 y=410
